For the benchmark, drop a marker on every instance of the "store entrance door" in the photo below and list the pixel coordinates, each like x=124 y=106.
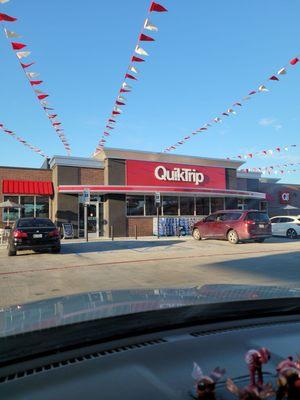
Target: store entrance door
x=95 y=219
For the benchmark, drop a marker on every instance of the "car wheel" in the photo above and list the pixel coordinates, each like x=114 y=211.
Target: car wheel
x=259 y=240
x=55 y=250
x=232 y=237
x=196 y=234
x=291 y=234
x=11 y=252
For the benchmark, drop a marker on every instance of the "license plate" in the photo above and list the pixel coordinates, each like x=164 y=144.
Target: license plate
x=37 y=235
x=261 y=225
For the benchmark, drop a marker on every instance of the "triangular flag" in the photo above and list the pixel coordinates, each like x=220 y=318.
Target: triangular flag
x=11 y=34
x=217 y=119
x=109 y=127
x=224 y=113
x=252 y=92
x=119 y=103
x=117 y=109
x=106 y=134
x=124 y=91
x=273 y=78
x=294 y=61
x=262 y=88
x=230 y=110
x=22 y=54
x=38 y=91
x=149 y=26
x=237 y=104
x=282 y=71
x=48 y=108
x=33 y=83
x=8 y=18
x=121 y=98
x=145 y=38
x=52 y=116
x=140 y=51
x=27 y=65
x=56 y=123
x=18 y=46
x=32 y=74
x=157 y=7
x=126 y=86
x=137 y=59
x=130 y=77
x=133 y=69
x=111 y=120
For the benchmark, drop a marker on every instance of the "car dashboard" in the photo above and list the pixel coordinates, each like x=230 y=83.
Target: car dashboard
x=154 y=366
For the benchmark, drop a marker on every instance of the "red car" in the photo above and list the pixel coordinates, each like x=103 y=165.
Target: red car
x=235 y=226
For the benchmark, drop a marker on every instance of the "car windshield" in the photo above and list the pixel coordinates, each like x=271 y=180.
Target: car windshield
x=35 y=223
x=150 y=158
x=258 y=217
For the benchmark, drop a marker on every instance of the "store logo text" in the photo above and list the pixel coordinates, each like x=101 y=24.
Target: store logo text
x=178 y=174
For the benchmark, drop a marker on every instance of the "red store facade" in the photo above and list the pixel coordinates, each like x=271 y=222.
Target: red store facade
x=123 y=184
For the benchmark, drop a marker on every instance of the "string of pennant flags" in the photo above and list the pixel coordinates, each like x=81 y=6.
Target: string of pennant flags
x=34 y=83
x=268 y=152
x=131 y=73
x=22 y=140
x=269 y=168
x=237 y=105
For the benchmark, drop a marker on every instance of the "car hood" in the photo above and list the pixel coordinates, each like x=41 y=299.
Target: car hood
x=89 y=306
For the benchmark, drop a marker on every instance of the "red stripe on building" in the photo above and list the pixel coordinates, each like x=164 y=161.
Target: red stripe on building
x=153 y=189
x=11 y=186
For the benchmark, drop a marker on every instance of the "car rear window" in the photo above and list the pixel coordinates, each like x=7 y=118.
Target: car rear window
x=257 y=217
x=35 y=223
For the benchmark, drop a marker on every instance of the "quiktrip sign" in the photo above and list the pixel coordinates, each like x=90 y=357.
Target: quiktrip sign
x=149 y=173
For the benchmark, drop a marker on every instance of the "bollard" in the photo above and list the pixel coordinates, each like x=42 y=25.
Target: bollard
x=112 y=232
x=135 y=231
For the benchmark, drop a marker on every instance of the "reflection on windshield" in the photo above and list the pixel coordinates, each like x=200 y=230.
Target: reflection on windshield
x=105 y=304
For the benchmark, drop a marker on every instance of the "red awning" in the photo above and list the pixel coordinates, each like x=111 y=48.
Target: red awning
x=10 y=186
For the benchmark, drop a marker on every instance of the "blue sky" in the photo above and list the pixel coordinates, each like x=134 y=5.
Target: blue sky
x=206 y=56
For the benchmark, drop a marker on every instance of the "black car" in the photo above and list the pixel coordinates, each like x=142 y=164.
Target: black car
x=33 y=234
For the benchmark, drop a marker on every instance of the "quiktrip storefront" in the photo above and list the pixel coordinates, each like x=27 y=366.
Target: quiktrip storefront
x=123 y=199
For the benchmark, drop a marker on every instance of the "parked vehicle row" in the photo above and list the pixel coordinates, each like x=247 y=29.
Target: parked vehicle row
x=239 y=226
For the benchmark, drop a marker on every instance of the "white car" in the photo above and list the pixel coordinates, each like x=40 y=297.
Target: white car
x=286 y=225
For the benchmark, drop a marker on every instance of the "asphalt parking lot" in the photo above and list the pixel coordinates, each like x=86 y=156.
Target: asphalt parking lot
x=145 y=263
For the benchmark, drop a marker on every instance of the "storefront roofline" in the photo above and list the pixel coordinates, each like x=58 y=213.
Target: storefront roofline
x=68 y=161
x=78 y=189
x=128 y=154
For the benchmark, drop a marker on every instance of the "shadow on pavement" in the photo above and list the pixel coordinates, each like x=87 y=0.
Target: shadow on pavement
x=281 y=268
x=90 y=247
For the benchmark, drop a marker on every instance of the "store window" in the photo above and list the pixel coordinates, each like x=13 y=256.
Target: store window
x=202 y=205
x=32 y=206
x=12 y=214
x=28 y=206
x=187 y=205
x=150 y=205
x=217 y=203
x=231 y=203
x=42 y=207
x=135 y=205
x=170 y=205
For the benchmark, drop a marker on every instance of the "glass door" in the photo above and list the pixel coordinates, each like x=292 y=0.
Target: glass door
x=93 y=219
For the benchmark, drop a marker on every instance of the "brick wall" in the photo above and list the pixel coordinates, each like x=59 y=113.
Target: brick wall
x=144 y=226
x=24 y=174
x=91 y=176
